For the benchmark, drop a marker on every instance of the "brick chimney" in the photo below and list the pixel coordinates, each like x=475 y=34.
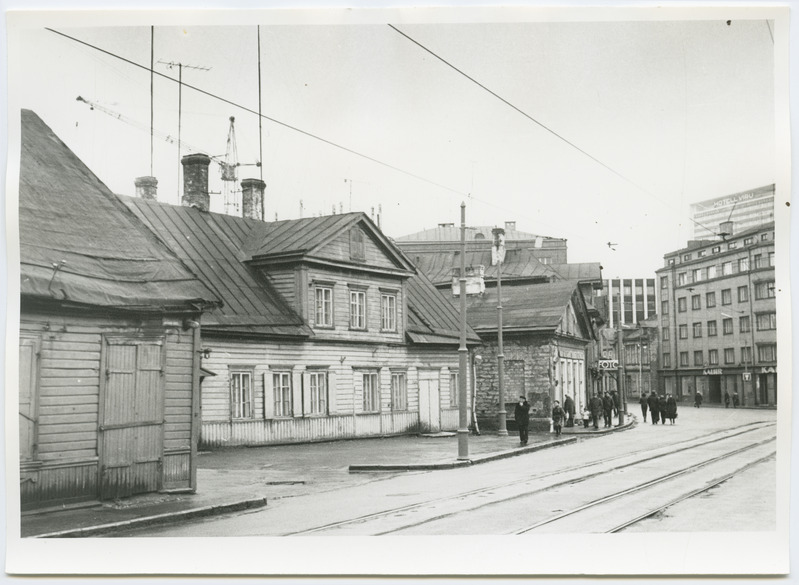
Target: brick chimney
x=195 y=181
x=146 y=188
x=252 y=198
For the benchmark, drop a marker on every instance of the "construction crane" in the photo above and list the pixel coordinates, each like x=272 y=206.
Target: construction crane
x=229 y=171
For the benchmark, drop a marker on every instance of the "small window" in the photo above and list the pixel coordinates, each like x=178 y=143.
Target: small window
x=664 y=282
x=715 y=250
x=711 y=272
x=686 y=257
x=732 y=245
x=712 y=331
x=682 y=304
x=701 y=253
x=697 y=330
x=666 y=334
x=743 y=294
x=743 y=264
x=710 y=299
x=357 y=309
x=699 y=358
x=323 y=300
x=729 y=355
x=388 y=305
x=726 y=296
x=666 y=360
x=766 y=321
x=746 y=355
x=317 y=386
x=763 y=237
x=696 y=302
x=767 y=353
x=683 y=331
x=281 y=386
x=681 y=278
x=453 y=389
x=747 y=241
x=371 y=392
x=683 y=358
x=241 y=394
x=726 y=325
x=670 y=262
x=399 y=391
x=357 y=247
x=664 y=307
x=744 y=324
x=713 y=357
x=726 y=268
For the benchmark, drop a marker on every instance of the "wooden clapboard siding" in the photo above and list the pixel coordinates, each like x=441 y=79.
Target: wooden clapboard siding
x=177 y=470
x=58 y=483
x=339 y=249
x=285 y=283
x=178 y=392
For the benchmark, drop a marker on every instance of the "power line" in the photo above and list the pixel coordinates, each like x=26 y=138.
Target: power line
x=532 y=119
x=265 y=117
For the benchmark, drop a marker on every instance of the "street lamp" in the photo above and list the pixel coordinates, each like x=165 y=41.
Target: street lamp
x=497 y=256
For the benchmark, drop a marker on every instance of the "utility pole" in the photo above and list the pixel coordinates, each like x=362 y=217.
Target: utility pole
x=621 y=365
x=498 y=254
x=463 y=423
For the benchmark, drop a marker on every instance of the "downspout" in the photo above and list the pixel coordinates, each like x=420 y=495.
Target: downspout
x=196 y=421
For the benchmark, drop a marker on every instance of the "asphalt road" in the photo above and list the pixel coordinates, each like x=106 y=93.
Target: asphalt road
x=715 y=458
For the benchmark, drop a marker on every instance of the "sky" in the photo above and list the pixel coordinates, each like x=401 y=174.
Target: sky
x=597 y=132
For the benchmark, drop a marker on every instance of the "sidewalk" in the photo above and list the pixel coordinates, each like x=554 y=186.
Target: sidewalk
x=235 y=479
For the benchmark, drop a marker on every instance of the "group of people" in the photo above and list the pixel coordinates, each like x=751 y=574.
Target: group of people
x=606 y=406
x=735 y=401
x=560 y=415
x=660 y=407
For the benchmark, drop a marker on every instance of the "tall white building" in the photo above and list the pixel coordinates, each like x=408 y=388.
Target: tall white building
x=747 y=209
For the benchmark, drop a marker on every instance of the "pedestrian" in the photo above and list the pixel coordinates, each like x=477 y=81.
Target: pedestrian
x=735 y=399
x=698 y=399
x=568 y=408
x=558 y=415
x=726 y=399
x=616 y=402
x=595 y=408
x=653 y=407
x=522 y=415
x=662 y=408
x=643 y=404
x=607 y=409
x=671 y=408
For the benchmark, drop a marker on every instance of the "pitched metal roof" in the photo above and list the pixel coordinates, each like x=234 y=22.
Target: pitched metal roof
x=211 y=245
x=519 y=264
x=431 y=318
x=580 y=271
x=105 y=257
x=452 y=233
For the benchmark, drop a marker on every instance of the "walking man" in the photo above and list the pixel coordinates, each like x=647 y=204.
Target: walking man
x=558 y=414
x=607 y=408
x=522 y=416
x=595 y=407
x=726 y=399
x=568 y=408
x=698 y=399
x=653 y=407
x=644 y=405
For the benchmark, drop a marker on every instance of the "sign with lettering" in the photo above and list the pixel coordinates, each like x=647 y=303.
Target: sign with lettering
x=747 y=376
x=712 y=372
x=768 y=370
x=608 y=364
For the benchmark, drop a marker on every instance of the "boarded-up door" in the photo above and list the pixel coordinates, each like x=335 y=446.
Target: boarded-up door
x=429 y=402
x=132 y=417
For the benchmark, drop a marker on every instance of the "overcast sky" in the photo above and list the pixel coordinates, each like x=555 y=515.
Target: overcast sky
x=622 y=124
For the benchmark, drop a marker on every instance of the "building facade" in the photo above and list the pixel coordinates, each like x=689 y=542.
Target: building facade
x=746 y=210
x=718 y=322
x=638 y=298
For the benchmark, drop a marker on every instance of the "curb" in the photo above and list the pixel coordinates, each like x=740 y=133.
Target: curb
x=167 y=517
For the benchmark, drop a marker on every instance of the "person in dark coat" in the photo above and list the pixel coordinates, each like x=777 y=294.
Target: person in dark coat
x=662 y=408
x=644 y=405
x=607 y=409
x=726 y=399
x=671 y=408
x=568 y=408
x=616 y=402
x=698 y=399
x=735 y=399
x=652 y=401
x=522 y=416
x=558 y=415
x=595 y=408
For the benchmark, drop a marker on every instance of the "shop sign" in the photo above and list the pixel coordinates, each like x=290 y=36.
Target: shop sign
x=768 y=370
x=712 y=372
x=608 y=364
x=747 y=376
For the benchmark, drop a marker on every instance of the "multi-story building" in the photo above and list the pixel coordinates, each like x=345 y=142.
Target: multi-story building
x=746 y=210
x=718 y=318
x=638 y=299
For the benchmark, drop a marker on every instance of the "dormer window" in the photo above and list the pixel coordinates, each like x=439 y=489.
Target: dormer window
x=357 y=248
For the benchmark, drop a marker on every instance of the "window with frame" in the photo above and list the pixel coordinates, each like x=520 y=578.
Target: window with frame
x=357 y=247
x=371 y=392
x=766 y=321
x=726 y=296
x=746 y=355
x=767 y=352
x=683 y=358
x=743 y=294
x=399 y=391
x=357 y=309
x=696 y=274
x=670 y=262
x=732 y=245
x=715 y=250
x=726 y=268
x=710 y=300
x=681 y=277
x=758 y=261
x=317 y=388
x=713 y=357
x=726 y=326
x=764 y=290
x=699 y=358
x=696 y=302
x=743 y=264
x=664 y=307
x=664 y=282
x=712 y=331
x=747 y=241
x=666 y=360
x=701 y=253
x=744 y=325
x=323 y=301
x=697 y=330
x=729 y=355
x=241 y=403
x=711 y=272
x=388 y=305
x=665 y=334
x=683 y=331
x=281 y=387
x=686 y=257
x=771 y=258
x=454 y=387
x=763 y=237
x=682 y=304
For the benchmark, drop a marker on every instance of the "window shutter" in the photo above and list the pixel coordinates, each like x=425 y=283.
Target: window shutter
x=269 y=396
x=306 y=395
x=296 y=391
x=331 y=391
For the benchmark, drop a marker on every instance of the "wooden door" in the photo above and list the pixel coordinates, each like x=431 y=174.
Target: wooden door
x=132 y=417
x=429 y=402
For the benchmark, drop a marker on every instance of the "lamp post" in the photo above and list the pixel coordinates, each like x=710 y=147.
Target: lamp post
x=498 y=255
x=463 y=423
x=620 y=382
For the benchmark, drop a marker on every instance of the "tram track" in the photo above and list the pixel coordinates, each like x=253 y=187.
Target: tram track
x=570 y=478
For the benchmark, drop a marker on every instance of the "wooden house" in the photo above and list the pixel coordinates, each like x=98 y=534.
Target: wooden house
x=109 y=341
x=327 y=331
